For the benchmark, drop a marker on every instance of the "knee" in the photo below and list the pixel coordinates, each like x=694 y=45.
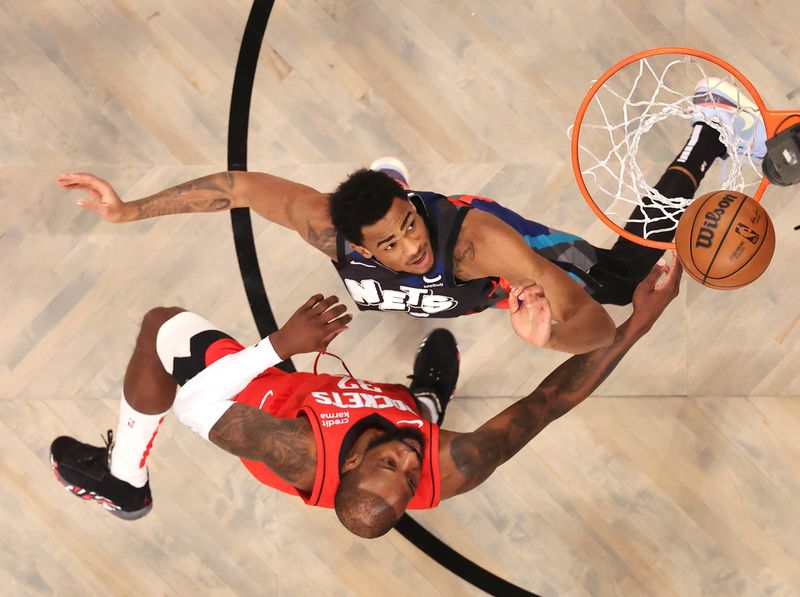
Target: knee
x=158 y=316
x=152 y=322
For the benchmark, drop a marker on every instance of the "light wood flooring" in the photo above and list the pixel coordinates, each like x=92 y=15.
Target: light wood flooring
x=681 y=477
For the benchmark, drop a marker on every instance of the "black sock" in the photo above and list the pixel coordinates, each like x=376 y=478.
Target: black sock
x=627 y=263
x=684 y=174
x=681 y=179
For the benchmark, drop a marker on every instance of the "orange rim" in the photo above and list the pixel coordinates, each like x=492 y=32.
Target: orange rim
x=774 y=121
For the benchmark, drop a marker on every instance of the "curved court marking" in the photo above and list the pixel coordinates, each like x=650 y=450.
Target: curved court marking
x=247 y=257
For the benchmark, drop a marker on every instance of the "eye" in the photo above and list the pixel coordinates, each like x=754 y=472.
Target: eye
x=411 y=225
x=389 y=247
x=390 y=463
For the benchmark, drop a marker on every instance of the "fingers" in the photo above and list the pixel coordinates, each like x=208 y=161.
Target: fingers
x=673 y=273
x=513 y=301
x=329 y=338
x=331 y=314
x=659 y=268
x=337 y=327
x=543 y=306
x=531 y=300
x=310 y=303
x=528 y=287
x=81 y=178
x=673 y=279
x=523 y=294
x=340 y=324
x=327 y=309
x=324 y=304
x=84 y=181
x=677 y=266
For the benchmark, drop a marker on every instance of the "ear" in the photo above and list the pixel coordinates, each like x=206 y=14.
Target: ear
x=353 y=461
x=363 y=251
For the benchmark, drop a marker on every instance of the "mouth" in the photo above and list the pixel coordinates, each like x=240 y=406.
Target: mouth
x=422 y=262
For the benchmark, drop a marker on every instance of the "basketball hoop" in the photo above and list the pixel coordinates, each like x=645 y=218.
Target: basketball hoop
x=648 y=96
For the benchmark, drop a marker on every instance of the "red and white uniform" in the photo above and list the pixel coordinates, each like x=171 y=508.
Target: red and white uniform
x=338 y=408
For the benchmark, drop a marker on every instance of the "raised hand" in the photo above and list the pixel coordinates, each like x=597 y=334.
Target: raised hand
x=651 y=297
x=530 y=312
x=100 y=196
x=312 y=327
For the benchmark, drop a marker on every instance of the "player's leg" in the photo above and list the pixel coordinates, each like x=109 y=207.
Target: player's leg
x=87 y=471
x=435 y=373
x=627 y=263
x=620 y=269
x=173 y=345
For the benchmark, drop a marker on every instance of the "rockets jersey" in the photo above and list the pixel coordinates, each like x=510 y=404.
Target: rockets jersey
x=438 y=293
x=339 y=408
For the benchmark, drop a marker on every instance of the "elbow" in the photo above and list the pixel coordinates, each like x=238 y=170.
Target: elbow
x=233 y=185
x=603 y=327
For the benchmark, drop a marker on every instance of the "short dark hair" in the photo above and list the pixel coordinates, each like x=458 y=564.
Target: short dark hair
x=361 y=200
x=360 y=511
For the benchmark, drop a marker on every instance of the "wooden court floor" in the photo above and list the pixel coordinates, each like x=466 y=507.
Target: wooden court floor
x=680 y=477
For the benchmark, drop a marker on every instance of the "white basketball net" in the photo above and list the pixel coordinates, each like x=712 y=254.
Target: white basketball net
x=617 y=121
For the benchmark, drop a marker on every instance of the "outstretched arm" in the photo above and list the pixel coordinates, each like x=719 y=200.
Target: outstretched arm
x=490 y=247
x=467 y=459
x=289 y=204
x=206 y=402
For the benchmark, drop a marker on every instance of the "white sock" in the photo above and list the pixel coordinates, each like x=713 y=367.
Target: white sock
x=427 y=401
x=132 y=443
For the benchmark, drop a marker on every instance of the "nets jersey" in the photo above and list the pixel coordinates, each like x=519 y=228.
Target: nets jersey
x=438 y=293
x=339 y=408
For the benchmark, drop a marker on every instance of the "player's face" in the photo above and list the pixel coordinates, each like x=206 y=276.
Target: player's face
x=392 y=468
x=399 y=240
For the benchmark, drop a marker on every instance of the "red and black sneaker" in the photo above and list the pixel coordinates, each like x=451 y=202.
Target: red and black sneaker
x=435 y=372
x=83 y=470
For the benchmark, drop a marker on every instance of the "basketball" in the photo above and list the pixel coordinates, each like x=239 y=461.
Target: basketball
x=725 y=240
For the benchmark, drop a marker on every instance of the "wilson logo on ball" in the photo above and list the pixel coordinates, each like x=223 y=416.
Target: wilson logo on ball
x=705 y=236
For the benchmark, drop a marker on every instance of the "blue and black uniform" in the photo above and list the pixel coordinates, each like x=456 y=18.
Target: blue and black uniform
x=438 y=293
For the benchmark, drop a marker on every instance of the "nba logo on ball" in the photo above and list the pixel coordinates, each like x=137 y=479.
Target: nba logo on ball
x=725 y=240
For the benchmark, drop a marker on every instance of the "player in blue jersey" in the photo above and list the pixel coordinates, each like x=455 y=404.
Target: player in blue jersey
x=435 y=256
x=407 y=265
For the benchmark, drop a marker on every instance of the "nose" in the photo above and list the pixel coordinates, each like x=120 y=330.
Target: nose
x=411 y=247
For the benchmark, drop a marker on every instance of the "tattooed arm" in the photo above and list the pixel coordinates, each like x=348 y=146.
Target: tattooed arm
x=286 y=446
x=206 y=402
x=467 y=459
x=488 y=247
x=289 y=204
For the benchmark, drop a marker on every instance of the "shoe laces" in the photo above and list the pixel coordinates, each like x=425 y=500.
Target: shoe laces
x=93 y=455
x=430 y=375
x=108 y=440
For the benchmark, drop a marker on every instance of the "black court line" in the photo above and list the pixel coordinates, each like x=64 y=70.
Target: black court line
x=238 y=126
x=247 y=257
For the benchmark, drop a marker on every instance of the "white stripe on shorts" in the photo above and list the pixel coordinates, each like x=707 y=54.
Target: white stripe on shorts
x=174 y=336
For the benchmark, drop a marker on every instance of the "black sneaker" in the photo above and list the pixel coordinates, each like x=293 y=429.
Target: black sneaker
x=435 y=372
x=83 y=470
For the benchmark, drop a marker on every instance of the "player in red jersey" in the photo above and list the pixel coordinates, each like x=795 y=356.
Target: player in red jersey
x=369 y=450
